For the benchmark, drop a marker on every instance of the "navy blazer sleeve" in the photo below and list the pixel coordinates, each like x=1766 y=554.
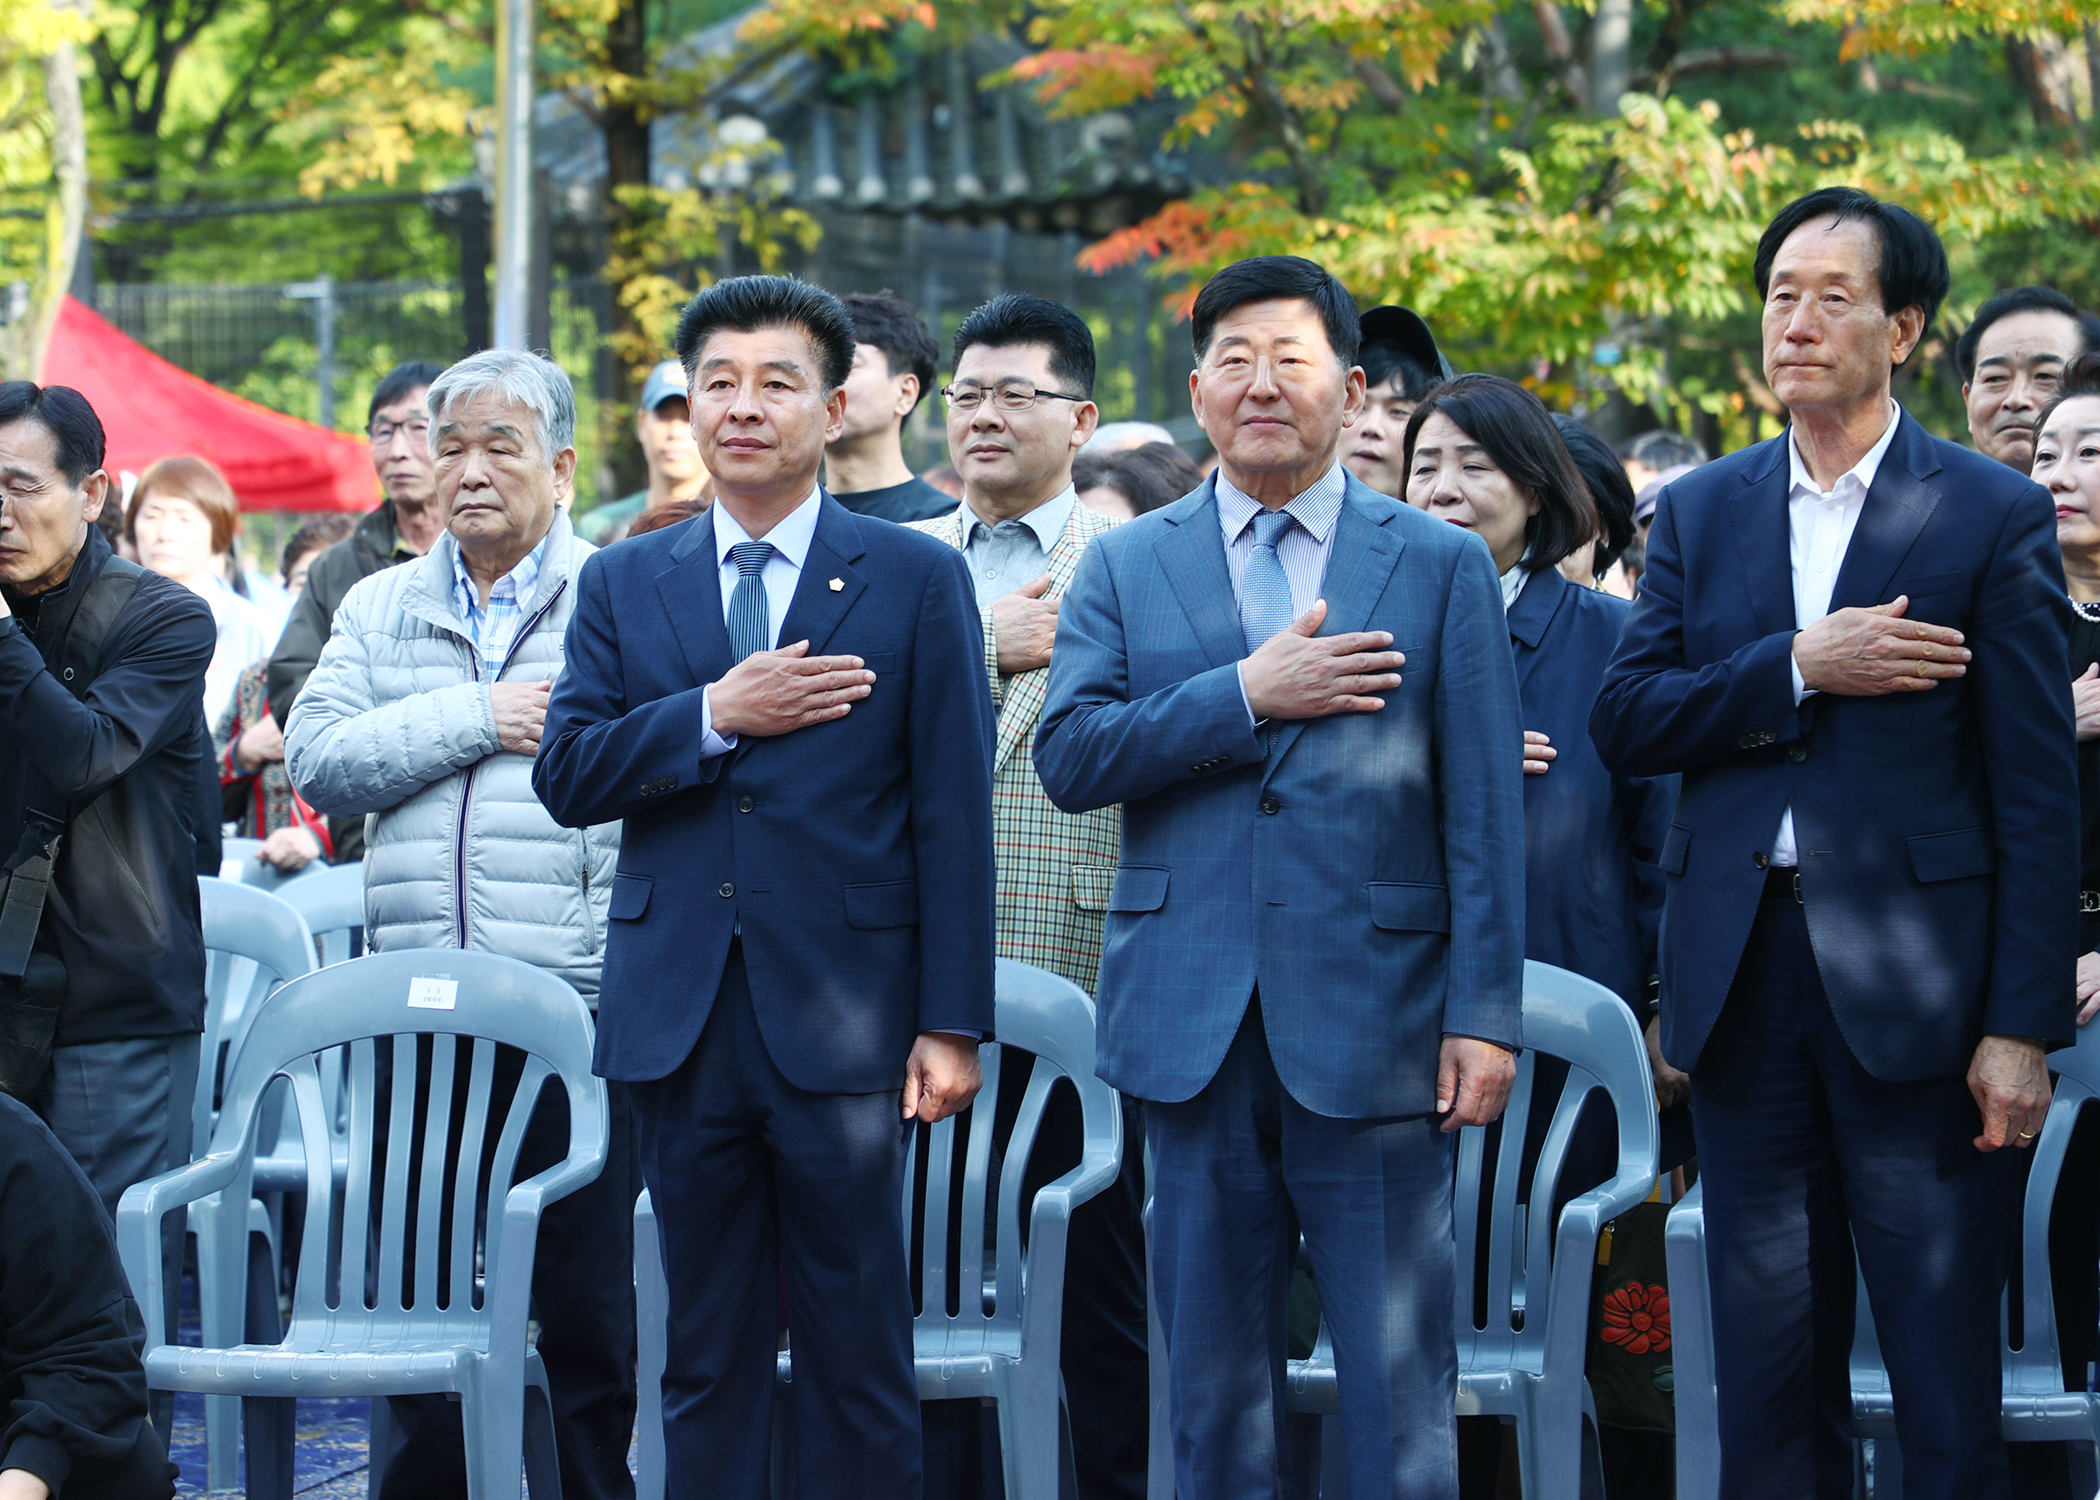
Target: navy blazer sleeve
x=597 y=754
x=1656 y=717
x=2030 y=758
x=953 y=728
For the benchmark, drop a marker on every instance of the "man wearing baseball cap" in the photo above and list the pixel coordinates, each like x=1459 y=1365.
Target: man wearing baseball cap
x=1401 y=362
x=664 y=425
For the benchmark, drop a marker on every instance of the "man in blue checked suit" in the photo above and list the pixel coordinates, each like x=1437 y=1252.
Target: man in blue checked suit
x=1314 y=956
x=787 y=705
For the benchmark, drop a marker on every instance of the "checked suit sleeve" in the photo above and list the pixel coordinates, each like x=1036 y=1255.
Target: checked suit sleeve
x=1096 y=746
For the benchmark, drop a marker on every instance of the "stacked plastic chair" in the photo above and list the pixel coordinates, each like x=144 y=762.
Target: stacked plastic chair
x=375 y=1314
x=1527 y=1362
x=1002 y=1340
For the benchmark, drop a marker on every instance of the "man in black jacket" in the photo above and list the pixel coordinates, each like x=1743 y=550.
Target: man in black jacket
x=115 y=751
x=74 y=1392
x=404 y=527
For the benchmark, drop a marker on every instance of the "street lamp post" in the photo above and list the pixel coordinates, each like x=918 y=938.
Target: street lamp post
x=513 y=216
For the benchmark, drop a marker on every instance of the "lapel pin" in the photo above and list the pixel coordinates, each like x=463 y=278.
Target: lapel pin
x=838 y=585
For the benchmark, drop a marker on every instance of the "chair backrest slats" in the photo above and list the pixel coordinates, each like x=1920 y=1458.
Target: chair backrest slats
x=977 y=1165
x=394 y=1208
x=1028 y=1123
x=310 y=1292
x=430 y=1189
x=940 y=1174
x=356 y=1220
x=466 y=1190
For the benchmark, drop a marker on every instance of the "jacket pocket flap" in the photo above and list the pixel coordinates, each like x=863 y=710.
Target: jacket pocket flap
x=891 y=903
x=1935 y=583
x=1676 y=846
x=630 y=897
x=1092 y=886
x=1140 y=888
x=1952 y=856
x=1410 y=908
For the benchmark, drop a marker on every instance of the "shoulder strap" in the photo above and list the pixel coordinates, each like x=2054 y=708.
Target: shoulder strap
x=78 y=654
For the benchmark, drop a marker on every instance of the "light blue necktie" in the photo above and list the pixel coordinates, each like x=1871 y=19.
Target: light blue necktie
x=750 y=628
x=1265 y=594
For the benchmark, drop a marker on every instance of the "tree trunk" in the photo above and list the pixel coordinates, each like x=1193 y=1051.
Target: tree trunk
x=2041 y=67
x=22 y=349
x=1611 y=55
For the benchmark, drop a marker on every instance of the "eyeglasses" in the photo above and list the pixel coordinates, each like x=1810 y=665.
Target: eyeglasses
x=382 y=433
x=1010 y=395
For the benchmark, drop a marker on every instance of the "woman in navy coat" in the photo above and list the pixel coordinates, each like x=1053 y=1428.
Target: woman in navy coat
x=1483 y=453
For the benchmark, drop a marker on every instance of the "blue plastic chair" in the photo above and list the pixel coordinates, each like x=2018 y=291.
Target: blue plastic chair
x=1692 y=1350
x=2036 y=1407
x=332 y=899
x=370 y=1325
x=1527 y=1362
x=243 y=854
x=1002 y=1341
x=253 y=943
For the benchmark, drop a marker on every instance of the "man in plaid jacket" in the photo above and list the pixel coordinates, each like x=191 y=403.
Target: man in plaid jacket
x=1020 y=407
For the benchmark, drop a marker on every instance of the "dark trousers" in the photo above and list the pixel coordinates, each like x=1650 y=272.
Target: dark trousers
x=1804 y=1154
x=1239 y=1169
x=583 y=1299
x=759 y=1184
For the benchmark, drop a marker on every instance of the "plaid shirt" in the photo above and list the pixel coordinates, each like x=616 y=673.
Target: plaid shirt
x=494 y=628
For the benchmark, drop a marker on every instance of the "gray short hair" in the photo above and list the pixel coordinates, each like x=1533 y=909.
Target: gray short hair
x=531 y=380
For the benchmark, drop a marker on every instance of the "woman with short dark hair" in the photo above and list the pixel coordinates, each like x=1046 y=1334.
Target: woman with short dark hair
x=183 y=519
x=1483 y=453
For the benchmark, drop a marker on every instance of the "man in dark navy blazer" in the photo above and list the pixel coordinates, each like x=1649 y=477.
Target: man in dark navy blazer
x=786 y=703
x=1848 y=642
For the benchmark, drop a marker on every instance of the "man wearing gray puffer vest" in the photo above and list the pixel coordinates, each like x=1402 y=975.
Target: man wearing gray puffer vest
x=424 y=714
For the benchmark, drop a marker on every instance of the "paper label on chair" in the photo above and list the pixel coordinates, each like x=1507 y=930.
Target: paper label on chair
x=428 y=993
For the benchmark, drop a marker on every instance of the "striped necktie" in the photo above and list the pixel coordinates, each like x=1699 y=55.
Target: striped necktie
x=750 y=628
x=1265 y=594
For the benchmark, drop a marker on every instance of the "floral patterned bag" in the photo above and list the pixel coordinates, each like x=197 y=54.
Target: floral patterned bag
x=1630 y=1360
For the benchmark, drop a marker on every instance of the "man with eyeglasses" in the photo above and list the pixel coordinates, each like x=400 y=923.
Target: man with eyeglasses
x=1021 y=406
x=404 y=527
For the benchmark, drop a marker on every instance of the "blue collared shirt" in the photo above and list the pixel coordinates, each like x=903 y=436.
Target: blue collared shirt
x=1006 y=555
x=1303 y=550
x=493 y=627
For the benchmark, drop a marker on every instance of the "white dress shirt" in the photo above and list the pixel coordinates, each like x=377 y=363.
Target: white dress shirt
x=1820 y=525
x=783 y=570
x=1513 y=583
x=1303 y=550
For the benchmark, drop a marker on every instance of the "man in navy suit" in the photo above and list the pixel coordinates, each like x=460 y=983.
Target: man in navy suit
x=1849 y=643
x=786 y=704
x=1314 y=954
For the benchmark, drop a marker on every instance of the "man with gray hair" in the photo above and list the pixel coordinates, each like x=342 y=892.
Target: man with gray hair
x=424 y=714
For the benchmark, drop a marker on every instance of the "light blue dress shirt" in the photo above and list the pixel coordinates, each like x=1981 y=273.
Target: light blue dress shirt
x=1304 y=549
x=783 y=571
x=493 y=626
x=1006 y=555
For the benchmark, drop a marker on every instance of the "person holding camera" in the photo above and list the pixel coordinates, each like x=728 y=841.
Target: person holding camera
x=102 y=748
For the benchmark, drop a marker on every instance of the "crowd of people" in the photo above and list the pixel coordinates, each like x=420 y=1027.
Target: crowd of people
x=1290 y=759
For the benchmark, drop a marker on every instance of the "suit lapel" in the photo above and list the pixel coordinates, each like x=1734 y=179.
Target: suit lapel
x=1532 y=615
x=1359 y=566
x=1763 y=539
x=691 y=590
x=1021 y=707
x=1192 y=555
x=817 y=608
x=1896 y=509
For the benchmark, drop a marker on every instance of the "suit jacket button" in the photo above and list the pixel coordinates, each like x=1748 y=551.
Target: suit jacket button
x=1797 y=753
x=745 y=804
x=1760 y=859
x=726 y=890
x=1271 y=806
